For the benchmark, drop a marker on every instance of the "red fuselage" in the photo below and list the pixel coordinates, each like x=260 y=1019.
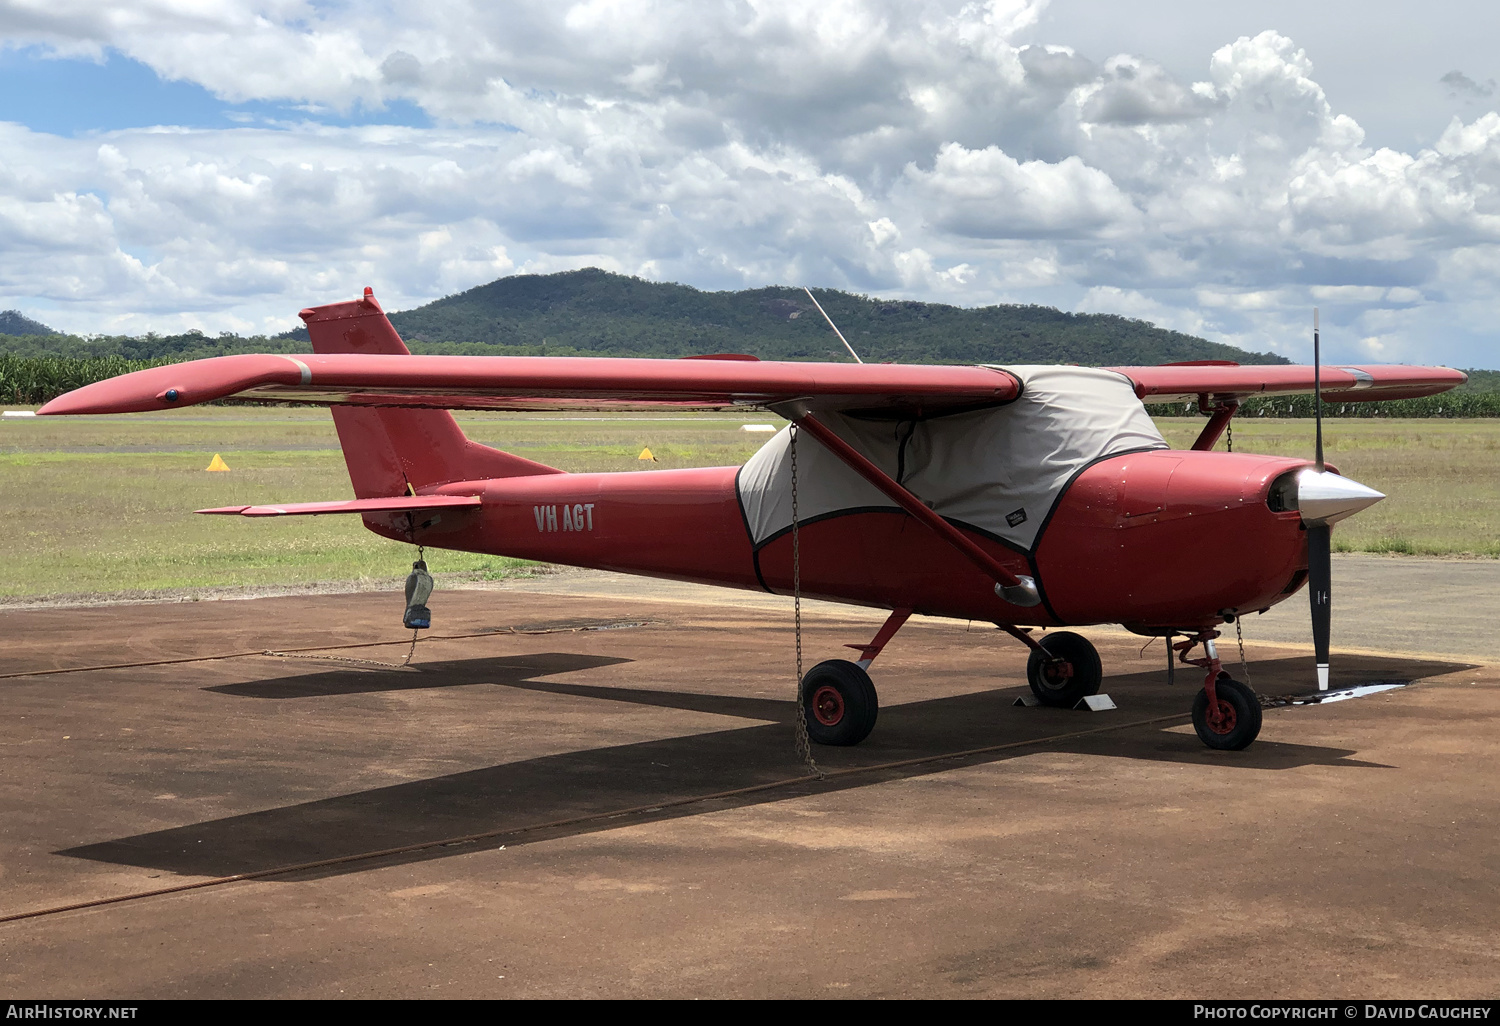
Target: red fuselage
x=1166 y=539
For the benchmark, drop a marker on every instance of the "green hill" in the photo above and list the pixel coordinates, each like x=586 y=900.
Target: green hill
x=594 y=311
x=14 y=322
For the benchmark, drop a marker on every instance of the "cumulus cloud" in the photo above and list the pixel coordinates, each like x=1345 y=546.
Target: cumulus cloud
x=989 y=194
x=1463 y=85
x=1132 y=91
x=935 y=149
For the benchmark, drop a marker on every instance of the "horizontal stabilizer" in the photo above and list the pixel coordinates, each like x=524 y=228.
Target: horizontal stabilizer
x=394 y=504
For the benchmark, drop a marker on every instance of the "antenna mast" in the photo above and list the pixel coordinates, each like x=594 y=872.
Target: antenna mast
x=835 y=327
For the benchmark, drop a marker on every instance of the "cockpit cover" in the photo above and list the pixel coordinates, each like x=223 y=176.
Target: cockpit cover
x=999 y=470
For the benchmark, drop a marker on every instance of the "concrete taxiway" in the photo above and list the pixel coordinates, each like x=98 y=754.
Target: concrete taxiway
x=587 y=786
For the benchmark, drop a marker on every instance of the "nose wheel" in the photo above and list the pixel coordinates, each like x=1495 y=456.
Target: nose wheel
x=1233 y=721
x=1226 y=713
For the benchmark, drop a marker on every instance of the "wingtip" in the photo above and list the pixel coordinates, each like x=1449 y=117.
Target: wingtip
x=68 y=404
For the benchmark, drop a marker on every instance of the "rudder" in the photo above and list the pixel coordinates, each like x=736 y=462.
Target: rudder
x=391 y=451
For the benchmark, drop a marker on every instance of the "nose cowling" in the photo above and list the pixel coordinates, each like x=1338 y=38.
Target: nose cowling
x=1325 y=498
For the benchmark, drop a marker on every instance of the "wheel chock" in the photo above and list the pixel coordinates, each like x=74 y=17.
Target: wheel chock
x=1089 y=703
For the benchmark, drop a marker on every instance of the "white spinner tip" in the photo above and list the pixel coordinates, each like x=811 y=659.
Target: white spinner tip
x=1327 y=498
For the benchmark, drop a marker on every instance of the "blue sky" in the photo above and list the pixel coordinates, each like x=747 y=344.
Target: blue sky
x=63 y=96
x=221 y=165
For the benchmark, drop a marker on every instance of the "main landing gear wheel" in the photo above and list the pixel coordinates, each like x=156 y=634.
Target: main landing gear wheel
x=1238 y=722
x=1068 y=671
x=838 y=703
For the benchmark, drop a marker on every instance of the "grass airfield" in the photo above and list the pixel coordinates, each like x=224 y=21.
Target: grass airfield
x=104 y=504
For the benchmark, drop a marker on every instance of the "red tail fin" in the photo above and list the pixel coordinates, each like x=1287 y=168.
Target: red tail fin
x=391 y=451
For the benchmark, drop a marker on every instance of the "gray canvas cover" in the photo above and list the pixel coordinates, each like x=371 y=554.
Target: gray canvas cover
x=999 y=470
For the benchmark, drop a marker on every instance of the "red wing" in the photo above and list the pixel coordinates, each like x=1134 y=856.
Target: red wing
x=361 y=361
x=1184 y=383
x=542 y=383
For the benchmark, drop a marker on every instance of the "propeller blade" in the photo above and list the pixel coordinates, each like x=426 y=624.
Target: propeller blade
x=1319 y=542
x=1320 y=594
x=1318 y=391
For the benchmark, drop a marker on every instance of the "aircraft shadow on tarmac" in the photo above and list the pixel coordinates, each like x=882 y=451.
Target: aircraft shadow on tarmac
x=521 y=794
x=513 y=670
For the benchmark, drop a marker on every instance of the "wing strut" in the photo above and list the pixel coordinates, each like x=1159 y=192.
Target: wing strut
x=1221 y=413
x=1017 y=590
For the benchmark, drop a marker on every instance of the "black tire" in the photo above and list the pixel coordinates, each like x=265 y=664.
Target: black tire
x=1073 y=673
x=1240 y=724
x=838 y=703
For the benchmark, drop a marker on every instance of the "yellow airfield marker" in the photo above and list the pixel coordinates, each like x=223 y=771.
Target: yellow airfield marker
x=217 y=464
x=646 y=455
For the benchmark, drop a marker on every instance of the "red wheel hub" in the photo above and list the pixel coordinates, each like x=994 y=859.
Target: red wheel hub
x=1224 y=722
x=1057 y=672
x=828 y=705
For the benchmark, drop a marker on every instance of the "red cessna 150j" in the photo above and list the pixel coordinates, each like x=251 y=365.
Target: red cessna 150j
x=1022 y=496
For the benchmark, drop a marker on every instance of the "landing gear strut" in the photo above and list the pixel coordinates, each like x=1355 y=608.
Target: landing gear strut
x=1226 y=713
x=839 y=704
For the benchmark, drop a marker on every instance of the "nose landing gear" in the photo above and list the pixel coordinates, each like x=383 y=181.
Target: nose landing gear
x=1226 y=713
